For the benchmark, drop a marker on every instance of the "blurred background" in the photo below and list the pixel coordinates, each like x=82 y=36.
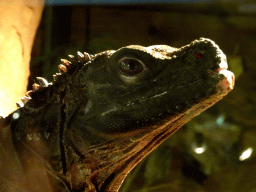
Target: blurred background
x=216 y=151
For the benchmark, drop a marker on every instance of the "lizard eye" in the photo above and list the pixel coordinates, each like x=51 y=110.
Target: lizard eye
x=130 y=66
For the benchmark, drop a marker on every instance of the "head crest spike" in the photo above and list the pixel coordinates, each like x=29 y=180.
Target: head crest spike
x=55 y=77
x=80 y=56
x=73 y=59
x=25 y=99
x=35 y=87
x=66 y=62
x=87 y=56
x=42 y=82
x=62 y=68
x=20 y=104
x=29 y=93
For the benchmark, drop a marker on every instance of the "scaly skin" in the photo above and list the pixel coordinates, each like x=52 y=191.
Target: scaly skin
x=104 y=113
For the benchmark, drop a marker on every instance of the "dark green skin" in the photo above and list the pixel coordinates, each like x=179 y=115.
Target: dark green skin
x=87 y=130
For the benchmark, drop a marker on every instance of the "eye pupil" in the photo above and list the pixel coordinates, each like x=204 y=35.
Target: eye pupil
x=131 y=66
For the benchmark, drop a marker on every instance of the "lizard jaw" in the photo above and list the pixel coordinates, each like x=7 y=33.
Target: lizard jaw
x=150 y=142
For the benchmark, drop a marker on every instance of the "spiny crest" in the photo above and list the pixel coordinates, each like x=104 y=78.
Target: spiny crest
x=67 y=65
x=66 y=68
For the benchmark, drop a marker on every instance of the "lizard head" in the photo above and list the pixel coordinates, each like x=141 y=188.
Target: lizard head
x=137 y=96
x=136 y=86
x=106 y=112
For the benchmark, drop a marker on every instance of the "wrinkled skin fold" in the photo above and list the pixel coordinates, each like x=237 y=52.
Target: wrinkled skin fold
x=104 y=113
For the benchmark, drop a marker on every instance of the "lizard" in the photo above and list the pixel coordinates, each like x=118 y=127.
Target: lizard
x=105 y=112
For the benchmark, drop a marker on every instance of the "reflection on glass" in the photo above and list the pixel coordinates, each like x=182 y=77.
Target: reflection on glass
x=246 y=154
x=197 y=149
